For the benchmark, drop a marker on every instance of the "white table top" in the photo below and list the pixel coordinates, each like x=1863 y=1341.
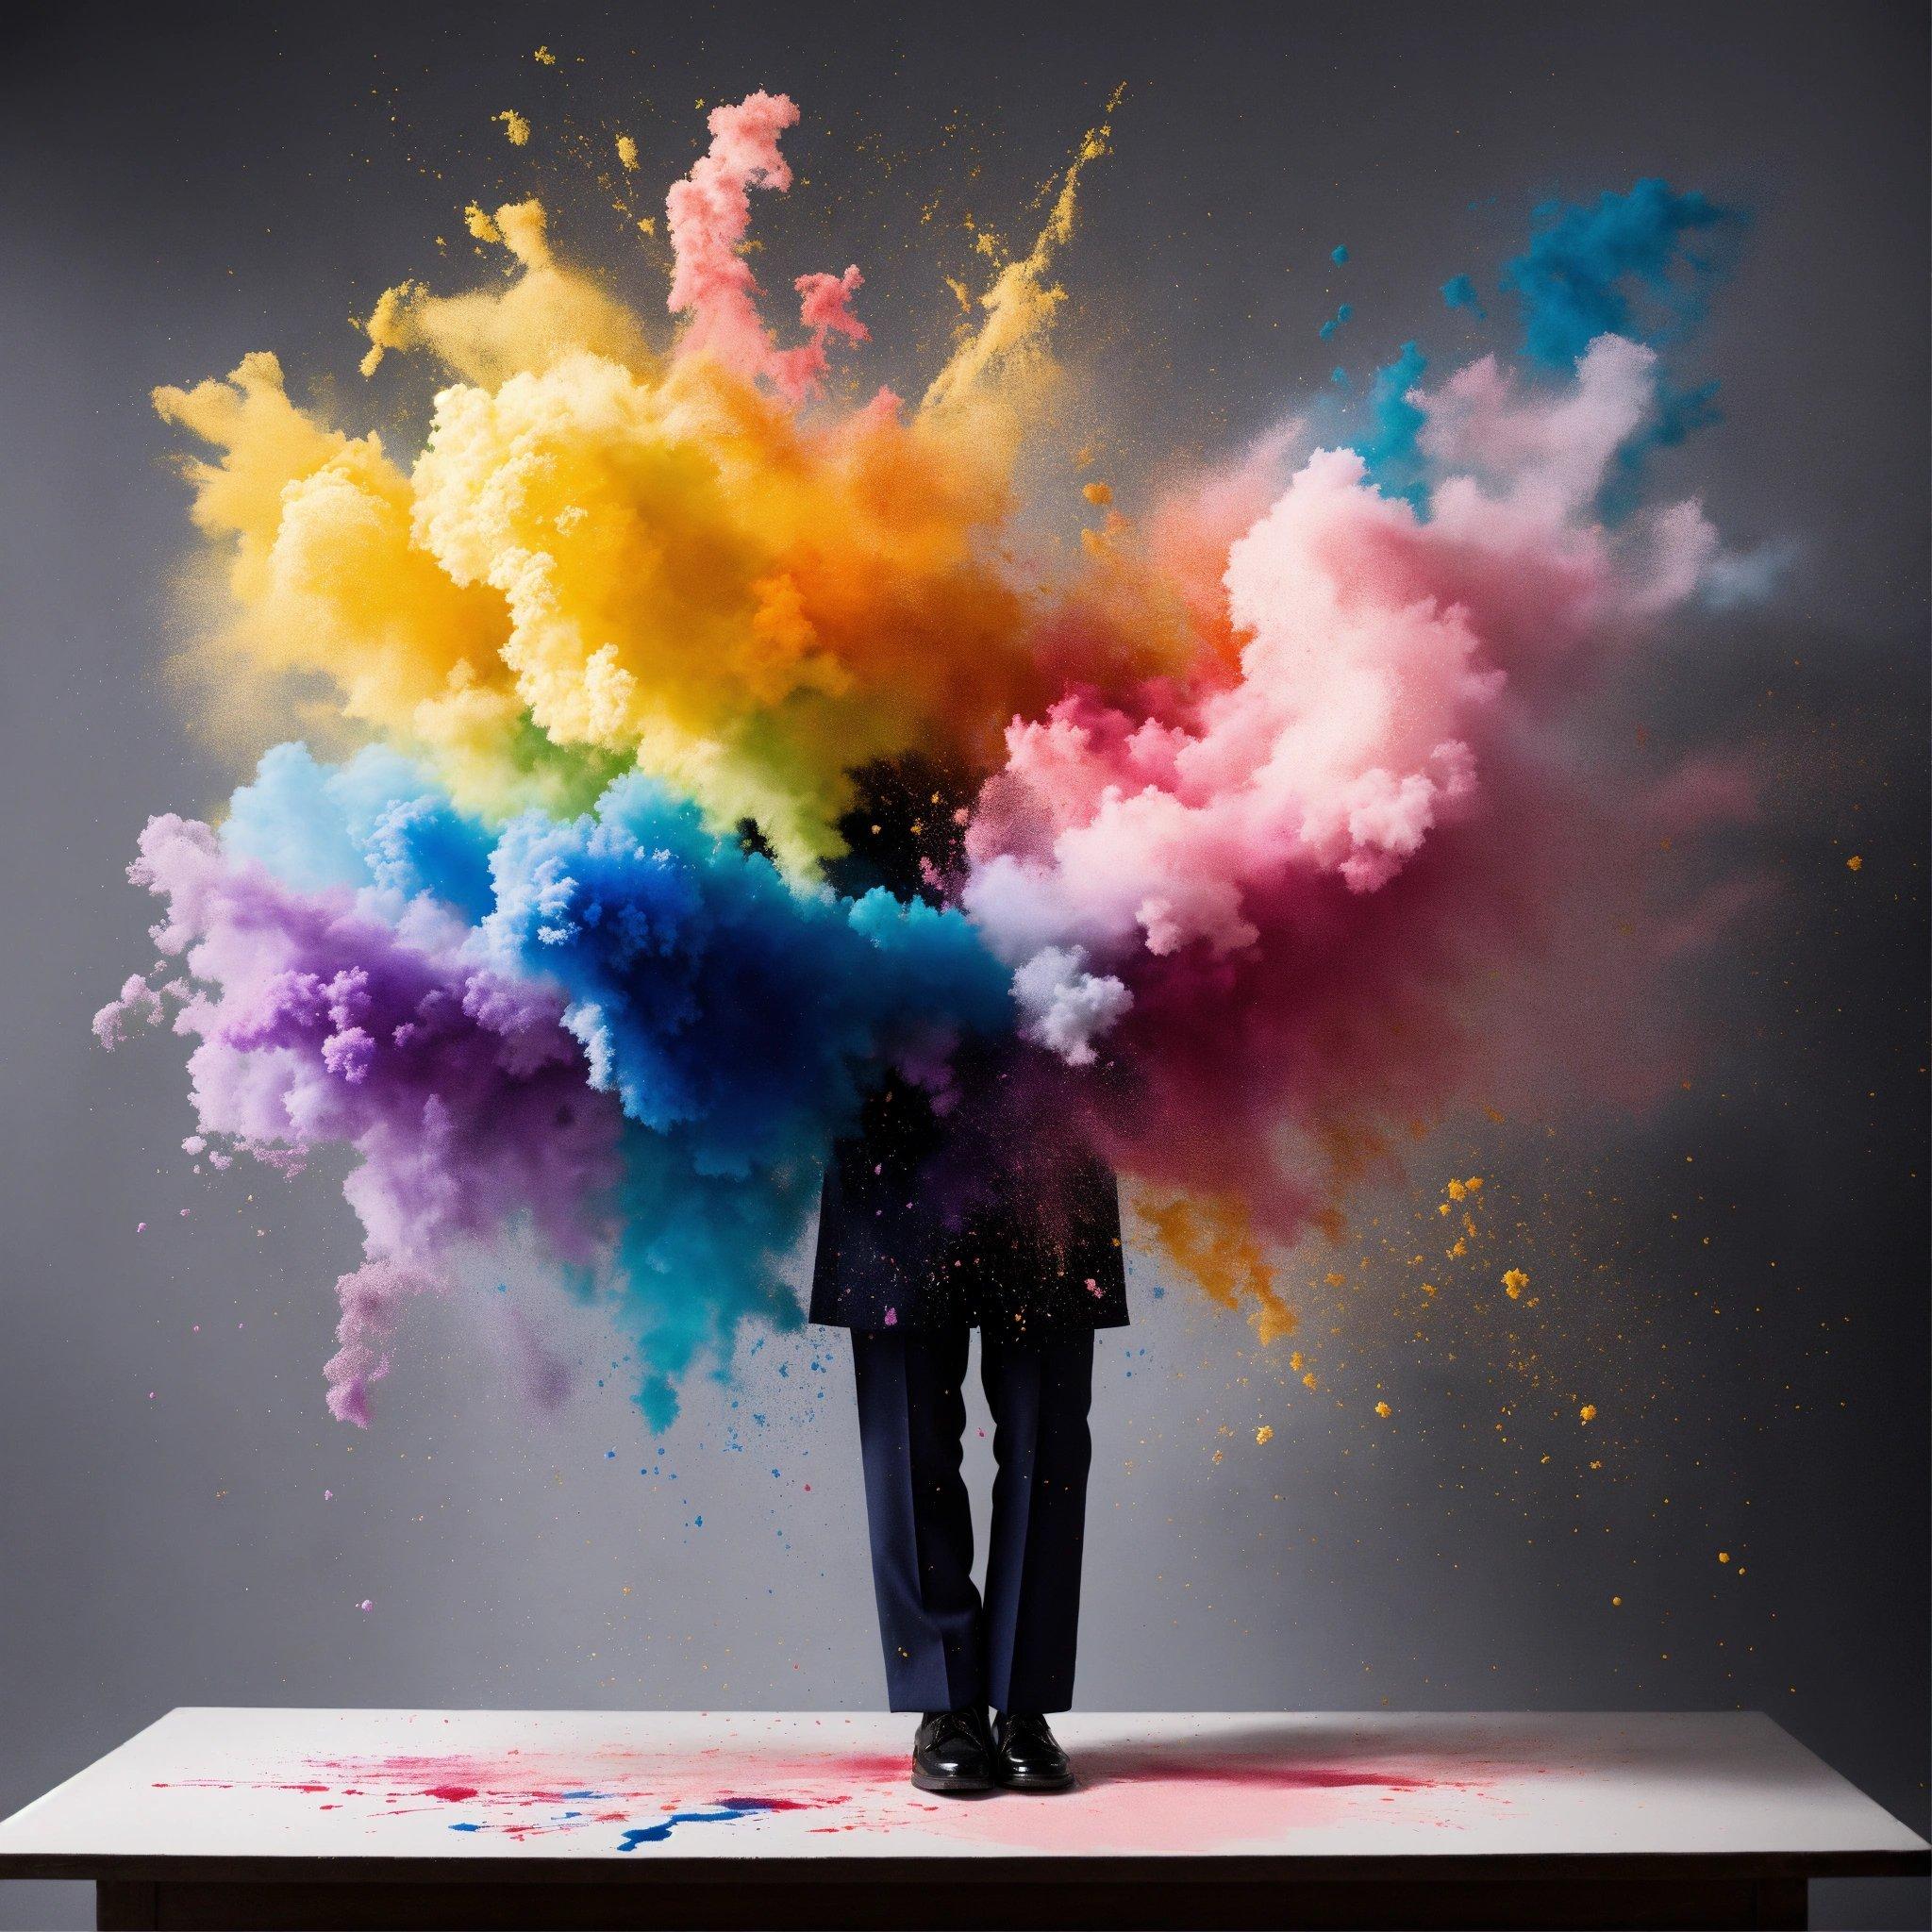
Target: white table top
x=628 y=1787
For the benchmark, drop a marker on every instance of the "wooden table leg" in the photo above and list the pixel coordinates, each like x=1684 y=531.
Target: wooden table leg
x=127 y=1905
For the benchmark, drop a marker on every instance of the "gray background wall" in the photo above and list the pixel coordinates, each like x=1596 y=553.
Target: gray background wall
x=1737 y=1279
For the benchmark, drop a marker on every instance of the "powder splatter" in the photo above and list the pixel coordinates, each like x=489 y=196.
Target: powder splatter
x=1277 y=843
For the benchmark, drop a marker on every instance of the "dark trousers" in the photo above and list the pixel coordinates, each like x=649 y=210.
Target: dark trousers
x=944 y=1647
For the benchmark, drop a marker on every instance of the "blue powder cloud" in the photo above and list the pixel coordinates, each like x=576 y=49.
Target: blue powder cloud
x=378 y=820
x=1640 y=265
x=737 y=1017
x=1391 y=447
x=711 y=994
x=1458 y=292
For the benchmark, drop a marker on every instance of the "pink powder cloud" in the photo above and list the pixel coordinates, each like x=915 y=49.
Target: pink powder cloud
x=709 y=216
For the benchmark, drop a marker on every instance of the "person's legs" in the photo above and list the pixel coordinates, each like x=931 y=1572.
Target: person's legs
x=1040 y=1397
x=911 y=1421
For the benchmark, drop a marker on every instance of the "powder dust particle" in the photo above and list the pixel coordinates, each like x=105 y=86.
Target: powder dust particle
x=1383 y=1408
x=1587 y=1413
x=1099 y=493
x=627 y=152
x=647 y=225
x=1724 y=1556
x=1265 y=1433
x=1854 y=863
x=480 y=224
x=544 y=58
x=515 y=126
x=1514 y=1282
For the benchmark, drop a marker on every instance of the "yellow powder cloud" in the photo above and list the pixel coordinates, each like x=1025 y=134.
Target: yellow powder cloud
x=1213 y=1242
x=611 y=552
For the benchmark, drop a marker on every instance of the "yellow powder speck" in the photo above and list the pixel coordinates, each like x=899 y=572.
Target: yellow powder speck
x=1457 y=1191
x=479 y=224
x=1854 y=863
x=1587 y=1412
x=544 y=58
x=1383 y=1408
x=647 y=225
x=1460 y=1249
x=1428 y=1287
x=1475 y=1183
x=1264 y=1434
x=1296 y=1361
x=1616 y=1602
x=1096 y=493
x=627 y=152
x=515 y=126
x=1335 y=1278
x=1441 y=1207
x=1309 y=1380
x=1218 y=1455
x=1724 y=1556
x=1514 y=1282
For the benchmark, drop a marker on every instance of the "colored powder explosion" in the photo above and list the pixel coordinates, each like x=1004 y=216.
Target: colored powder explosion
x=1281 y=842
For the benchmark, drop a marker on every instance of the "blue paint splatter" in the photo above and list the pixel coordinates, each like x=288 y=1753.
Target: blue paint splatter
x=1335 y=322
x=657 y=1834
x=469 y=1827
x=1341 y=255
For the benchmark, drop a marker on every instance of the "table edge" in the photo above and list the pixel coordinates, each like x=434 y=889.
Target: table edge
x=1042 y=1868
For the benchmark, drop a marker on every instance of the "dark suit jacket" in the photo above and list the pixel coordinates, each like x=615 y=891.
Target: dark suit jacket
x=980 y=1213
x=929 y=1220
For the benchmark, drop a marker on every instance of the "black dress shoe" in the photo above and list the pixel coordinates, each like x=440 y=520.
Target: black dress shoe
x=951 y=1753
x=1027 y=1754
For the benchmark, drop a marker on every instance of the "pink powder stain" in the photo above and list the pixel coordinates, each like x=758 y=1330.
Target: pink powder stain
x=1130 y=1796
x=1178 y=1800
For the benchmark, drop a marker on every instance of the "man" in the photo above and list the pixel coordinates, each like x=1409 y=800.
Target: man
x=940 y=1217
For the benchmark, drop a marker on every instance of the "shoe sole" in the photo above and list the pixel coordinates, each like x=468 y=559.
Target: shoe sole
x=951 y=1787
x=1038 y=1784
